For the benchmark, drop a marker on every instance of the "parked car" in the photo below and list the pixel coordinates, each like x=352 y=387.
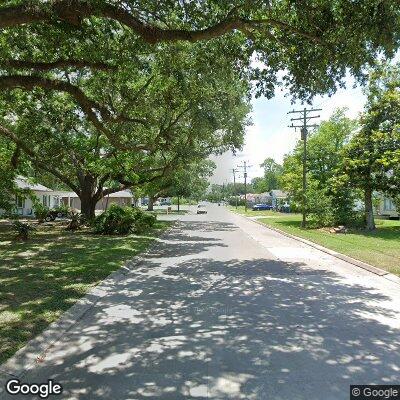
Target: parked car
x=261 y=207
x=285 y=208
x=201 y=209
x=53 y=214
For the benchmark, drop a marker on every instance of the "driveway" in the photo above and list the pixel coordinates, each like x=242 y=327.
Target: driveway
x=224 y=308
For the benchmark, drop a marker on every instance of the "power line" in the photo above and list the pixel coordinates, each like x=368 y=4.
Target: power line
x=305 y=118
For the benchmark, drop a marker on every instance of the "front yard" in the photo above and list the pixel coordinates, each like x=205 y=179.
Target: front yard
x=41 y=278
x=380 y=248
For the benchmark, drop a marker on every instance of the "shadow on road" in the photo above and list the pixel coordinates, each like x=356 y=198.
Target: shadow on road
x=237 y=329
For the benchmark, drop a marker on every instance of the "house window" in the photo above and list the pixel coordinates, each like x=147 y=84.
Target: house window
x=388 y=205
x=56 y=201
x=46 y=200
x=20 y=201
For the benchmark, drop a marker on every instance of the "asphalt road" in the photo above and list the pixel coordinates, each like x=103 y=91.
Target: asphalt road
x=224 y=308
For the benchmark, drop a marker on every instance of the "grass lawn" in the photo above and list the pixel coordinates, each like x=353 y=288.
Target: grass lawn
x=43 y=277
x=380 y=248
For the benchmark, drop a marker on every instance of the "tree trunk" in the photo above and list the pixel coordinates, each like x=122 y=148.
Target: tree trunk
x=88 y=206
x=178 y=203
x=369 y=211
x=150 y=206
x=88 y=196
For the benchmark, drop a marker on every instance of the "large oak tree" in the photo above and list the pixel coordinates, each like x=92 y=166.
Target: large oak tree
x=182 y=114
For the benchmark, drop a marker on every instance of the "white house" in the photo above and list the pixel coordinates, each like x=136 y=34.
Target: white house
x=54 y=198
x=387 y=208
x=278 y=198
x=24 y=206
x=71 y=199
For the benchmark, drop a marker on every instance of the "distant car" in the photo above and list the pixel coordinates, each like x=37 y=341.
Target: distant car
x=261 y=207
x=165 y=202
x=201 y=209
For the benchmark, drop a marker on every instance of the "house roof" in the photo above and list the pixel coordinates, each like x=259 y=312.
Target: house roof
x=278 y=193
x=121 y=193
x=23 y=183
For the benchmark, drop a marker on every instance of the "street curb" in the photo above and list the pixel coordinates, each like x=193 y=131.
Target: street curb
x=36 y=350
x=375 y=270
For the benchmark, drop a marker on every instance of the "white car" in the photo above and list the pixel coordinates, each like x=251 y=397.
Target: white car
x=201 y=209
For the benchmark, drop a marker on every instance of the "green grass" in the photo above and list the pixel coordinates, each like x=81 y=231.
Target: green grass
x=43 y=277
x=380 y=248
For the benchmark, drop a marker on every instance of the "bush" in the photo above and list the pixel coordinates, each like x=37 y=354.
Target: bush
x=332 y=206
x=40 y=211
x=76 y=220
x=319 y=207
x=143 y=220
x=63 y=210
x=119 y=220
x=22 y=229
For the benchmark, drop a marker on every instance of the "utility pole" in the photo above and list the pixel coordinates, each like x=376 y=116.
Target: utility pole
x=234 y=170
x=245 y=166
x=304 y=131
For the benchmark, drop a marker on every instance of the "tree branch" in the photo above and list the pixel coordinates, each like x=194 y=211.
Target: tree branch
x=47 y=66
x=74 y=11
x=27 y=149
x=30 y=82
x=88 y=106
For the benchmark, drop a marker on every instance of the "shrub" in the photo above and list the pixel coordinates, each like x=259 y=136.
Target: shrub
x=143 y=220
x=22 y=230
x=119 y=220
x=40 y=211
x=319 y=207
x=63 y=210
x=77 y=220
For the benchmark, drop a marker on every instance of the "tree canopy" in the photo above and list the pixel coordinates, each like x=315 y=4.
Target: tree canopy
x=329 y=201
x=181 y=113
x=189 y=180
x=372 y=158
x=309 y=40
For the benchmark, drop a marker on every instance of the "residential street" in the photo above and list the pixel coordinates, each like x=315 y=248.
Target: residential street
x=224 y=308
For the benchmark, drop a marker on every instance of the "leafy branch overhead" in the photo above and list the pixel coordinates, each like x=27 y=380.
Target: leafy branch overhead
x=75 y=11
x=309 y=40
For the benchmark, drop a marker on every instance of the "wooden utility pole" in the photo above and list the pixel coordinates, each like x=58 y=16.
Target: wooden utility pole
x=304 y=131
x=245 y=166
x=234 y=170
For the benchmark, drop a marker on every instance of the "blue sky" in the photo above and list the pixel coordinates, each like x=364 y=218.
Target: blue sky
x=269 y=136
